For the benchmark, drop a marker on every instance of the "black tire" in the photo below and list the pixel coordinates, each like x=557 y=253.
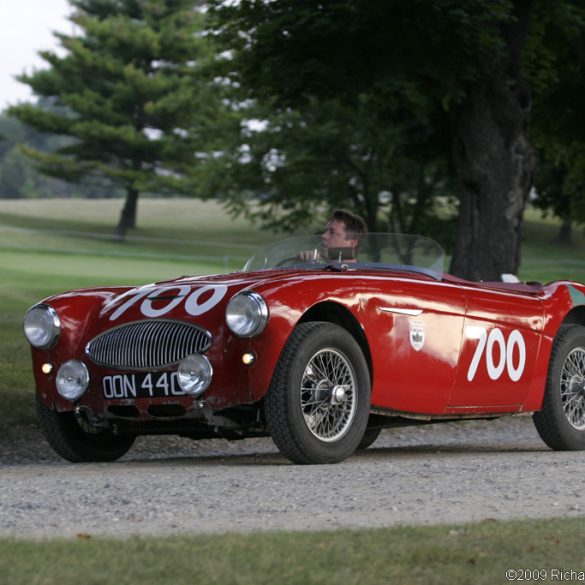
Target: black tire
x=324 y=421
x=71 y=442
x=369 y=438
x=561 y=422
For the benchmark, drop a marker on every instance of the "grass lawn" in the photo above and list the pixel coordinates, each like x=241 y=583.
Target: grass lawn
x=475 y=553
x=544 y=259
x=173 y=228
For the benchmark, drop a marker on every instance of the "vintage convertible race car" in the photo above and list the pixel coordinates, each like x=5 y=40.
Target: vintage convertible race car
x=319 y=353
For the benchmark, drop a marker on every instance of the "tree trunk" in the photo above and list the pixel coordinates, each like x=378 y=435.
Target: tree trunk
x=565 y=232
x=128 y=215
x=495 y=163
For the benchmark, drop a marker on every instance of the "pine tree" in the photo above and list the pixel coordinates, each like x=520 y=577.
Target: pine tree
x=128 y=89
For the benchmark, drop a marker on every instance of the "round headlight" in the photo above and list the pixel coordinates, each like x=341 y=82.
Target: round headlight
x=247 y=314
x=72 y=379
x=42 y=326
x=194 y=374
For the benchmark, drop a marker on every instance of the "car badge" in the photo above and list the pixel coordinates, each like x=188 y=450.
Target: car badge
x=417 y=334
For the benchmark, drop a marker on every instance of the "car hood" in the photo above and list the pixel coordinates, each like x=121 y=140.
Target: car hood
x=192 y=298
x=200 y=300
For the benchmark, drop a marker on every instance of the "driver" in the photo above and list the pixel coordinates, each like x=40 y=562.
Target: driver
x=341 y=238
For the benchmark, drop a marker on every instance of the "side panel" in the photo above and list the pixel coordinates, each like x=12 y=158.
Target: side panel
x=501 y=344
x=415 y=335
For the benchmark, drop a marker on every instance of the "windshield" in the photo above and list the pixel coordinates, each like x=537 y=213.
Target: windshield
x=377 y=251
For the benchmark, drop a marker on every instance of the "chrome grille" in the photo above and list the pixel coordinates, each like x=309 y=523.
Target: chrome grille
x=146 y=345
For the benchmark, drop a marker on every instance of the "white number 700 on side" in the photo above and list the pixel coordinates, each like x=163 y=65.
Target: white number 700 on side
x=486 y=345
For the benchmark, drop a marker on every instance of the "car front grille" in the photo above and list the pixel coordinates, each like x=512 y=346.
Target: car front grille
x=146 y=345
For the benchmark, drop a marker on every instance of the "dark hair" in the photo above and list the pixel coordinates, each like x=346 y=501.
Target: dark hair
x=355 y=225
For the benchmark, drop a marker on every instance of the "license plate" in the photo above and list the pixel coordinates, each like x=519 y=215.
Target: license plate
x=151 y=385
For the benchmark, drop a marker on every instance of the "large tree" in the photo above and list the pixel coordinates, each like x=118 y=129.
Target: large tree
x=127 y=89
x=466 y=56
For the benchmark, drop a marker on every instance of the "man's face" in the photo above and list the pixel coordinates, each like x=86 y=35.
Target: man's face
x=335 y=236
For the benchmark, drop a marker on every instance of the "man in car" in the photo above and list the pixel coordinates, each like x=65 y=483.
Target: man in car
x=341 y=238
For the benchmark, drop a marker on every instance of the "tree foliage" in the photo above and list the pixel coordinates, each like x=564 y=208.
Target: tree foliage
x=18 y=176
x=559 y=128
x=292 y=165
x=467 y=57
x=129 y=92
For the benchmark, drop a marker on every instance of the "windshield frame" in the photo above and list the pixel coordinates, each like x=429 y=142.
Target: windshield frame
x=376 y=251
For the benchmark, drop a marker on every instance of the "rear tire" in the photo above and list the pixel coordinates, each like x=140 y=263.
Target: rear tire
x=71 y=442
x=561 y=422
x=318 y=403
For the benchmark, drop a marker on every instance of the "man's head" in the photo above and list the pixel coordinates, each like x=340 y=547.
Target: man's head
x=344 y=229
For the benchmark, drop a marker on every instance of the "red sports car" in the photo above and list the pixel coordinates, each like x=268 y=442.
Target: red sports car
x=319 y=353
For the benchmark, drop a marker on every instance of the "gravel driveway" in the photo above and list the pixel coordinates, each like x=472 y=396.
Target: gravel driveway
x=454 y=472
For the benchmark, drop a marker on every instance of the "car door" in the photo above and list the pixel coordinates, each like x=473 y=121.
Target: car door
x=415 y=339
x=501 y=340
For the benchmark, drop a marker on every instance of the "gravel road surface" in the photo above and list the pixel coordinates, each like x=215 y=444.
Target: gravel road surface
x=454 y=472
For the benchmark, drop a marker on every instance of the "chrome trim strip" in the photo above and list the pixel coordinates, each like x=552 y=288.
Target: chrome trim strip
x=398 y=311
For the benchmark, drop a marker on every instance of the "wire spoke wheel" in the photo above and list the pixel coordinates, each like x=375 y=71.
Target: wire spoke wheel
x=317 y=407
x=328 y=394
x=573 y=388
x=561 y=421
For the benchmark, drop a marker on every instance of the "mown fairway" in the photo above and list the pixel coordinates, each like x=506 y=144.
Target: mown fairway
x=51 y=246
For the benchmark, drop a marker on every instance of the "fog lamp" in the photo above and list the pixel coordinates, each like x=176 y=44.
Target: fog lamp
x=194 y=374
x=72 y=379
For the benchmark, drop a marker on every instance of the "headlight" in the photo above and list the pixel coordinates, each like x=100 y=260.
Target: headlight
x=42 y=326
x=194 y=374
x=247 y=314
x=72 y=379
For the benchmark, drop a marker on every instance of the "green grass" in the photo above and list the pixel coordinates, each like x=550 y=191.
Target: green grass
x=178 y=228
x=543 y=258
x=474 y=553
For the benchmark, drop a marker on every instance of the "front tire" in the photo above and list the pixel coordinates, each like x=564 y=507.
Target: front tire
x=71 y=442
x=561 y=422
x=369 y=438
x=318 y=403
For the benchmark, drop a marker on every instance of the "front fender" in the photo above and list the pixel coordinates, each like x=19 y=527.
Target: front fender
x=288 y=303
